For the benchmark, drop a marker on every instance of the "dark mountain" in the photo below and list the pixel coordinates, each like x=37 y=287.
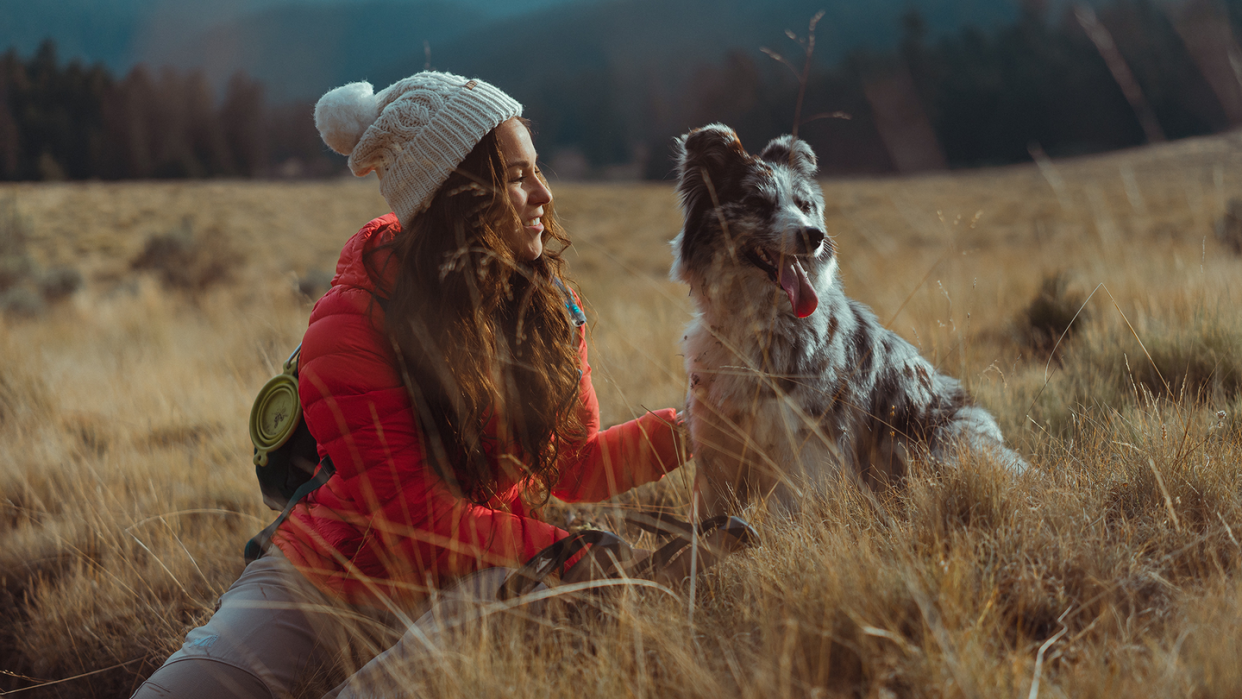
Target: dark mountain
x=299 y=51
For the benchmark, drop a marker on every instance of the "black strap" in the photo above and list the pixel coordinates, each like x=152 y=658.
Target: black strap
x=662 y=524
x=737 y=528
x=256 y=546
x=554 y=557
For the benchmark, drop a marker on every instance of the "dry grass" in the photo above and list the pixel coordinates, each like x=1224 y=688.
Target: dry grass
x=1111 y=570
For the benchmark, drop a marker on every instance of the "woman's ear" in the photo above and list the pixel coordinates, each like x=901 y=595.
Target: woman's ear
x=704 y=158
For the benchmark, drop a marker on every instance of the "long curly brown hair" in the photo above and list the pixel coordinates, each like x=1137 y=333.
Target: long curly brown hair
x=482 y=337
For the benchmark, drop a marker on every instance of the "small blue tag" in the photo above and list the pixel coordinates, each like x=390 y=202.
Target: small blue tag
x=204 y=642
x=575 y=311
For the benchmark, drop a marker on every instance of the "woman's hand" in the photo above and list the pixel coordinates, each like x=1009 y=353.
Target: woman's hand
x=681 y=430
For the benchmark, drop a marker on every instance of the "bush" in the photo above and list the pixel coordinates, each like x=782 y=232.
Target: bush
x=15 y=263
x=59 y=283
x=1229 y=227
x=314 y=284
x=187 y=261
x=1051 y=315
x=25 y=290
x=21 y=302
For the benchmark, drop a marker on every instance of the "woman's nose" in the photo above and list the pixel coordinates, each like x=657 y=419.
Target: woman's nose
x=540 y=195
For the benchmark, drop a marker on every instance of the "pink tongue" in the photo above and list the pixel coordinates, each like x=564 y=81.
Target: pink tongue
x=801 y=296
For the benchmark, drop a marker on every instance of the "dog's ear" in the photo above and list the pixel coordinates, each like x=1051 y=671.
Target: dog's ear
x=794 y=152
x=706 y=155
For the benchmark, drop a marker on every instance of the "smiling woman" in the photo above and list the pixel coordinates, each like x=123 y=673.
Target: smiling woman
x=445 y=378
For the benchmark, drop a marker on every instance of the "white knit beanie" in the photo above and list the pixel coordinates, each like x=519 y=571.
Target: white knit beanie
x=413 y=134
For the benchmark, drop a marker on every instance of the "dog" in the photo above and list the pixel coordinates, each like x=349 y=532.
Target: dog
x=792 y=384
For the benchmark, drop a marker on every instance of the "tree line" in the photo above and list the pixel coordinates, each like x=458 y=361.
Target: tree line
x=968 y=99
x=75 y=121
x=981 y=98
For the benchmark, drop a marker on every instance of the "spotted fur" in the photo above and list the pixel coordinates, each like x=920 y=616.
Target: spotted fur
x=778 y=403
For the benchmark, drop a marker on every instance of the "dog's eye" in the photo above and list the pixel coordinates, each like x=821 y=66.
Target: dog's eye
x=756 y=202
x=805 y=205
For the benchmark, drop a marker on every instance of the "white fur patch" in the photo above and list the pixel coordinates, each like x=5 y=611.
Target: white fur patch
x=344 y=114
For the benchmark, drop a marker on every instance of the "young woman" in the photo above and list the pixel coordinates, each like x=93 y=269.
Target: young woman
x=445 y=375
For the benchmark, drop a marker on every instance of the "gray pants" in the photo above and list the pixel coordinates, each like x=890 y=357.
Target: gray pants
x=273 y=629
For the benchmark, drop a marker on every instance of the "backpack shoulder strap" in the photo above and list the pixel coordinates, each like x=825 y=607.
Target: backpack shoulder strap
x=256 y=546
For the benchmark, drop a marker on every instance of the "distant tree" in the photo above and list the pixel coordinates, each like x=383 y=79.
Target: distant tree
x=55 y=113
x=294 y=148
x=242 y=116
x=130 y=120
x=10 y=134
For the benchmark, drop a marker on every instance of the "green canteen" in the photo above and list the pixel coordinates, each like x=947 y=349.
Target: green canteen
x=275 y=415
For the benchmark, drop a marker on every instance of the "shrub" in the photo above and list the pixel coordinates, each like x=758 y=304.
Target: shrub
x=25 y=290
x=1050 y=316
x=15 y=263
x=59 y=283
x=314 y=283
x=1229 y=227
x=21 y=302
x=187 y=261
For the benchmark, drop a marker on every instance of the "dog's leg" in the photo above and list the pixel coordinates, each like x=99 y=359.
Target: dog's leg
x=886 y=459
x=709 y=500
x=975 y=428
x=723 y=477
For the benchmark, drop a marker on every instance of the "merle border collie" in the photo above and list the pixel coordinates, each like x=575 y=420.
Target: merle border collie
x=793 y=385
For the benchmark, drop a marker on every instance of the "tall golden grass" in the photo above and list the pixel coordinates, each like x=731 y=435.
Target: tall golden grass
x=126 y=490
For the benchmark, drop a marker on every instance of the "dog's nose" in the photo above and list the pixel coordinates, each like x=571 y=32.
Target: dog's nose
x=812 y=238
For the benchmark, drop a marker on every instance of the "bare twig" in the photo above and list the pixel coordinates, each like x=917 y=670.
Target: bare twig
x=808 y=50
x=69 y=679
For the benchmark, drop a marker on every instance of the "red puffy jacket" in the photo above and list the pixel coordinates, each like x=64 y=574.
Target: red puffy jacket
x=385 y=525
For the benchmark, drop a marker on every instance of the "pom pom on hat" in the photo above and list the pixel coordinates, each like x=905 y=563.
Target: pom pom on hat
x=344 y=114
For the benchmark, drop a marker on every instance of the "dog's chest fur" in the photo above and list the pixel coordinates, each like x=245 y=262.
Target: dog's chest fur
x=777 y=403
x=763 y=397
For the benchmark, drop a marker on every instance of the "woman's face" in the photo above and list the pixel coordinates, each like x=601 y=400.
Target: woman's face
x=526 y=190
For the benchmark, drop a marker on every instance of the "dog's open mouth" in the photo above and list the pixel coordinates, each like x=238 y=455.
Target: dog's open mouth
x=786 y=272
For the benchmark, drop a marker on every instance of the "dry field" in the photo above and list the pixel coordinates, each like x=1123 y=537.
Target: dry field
x=1112 y=569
